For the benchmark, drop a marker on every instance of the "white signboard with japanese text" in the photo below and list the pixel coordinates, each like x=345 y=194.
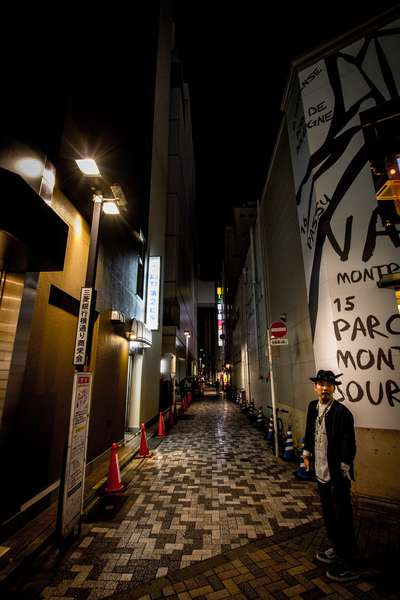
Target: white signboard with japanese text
x=153 y=293
x=83 y=326
x=76 y=453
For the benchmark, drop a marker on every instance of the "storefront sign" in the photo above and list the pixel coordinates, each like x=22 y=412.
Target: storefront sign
x=153 y=293
x=76 y=453
x=83 y=326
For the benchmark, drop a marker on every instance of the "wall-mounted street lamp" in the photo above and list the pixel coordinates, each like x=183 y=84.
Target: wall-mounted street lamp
x=101 y=204
x=74 y=457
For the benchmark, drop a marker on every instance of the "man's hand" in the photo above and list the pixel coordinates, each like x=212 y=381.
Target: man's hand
x=306 y=462
x=345 y=471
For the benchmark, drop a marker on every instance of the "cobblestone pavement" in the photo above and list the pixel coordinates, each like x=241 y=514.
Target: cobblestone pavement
x=212 y=514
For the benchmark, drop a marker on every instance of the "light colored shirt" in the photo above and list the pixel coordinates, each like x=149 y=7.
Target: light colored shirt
x=321 y=445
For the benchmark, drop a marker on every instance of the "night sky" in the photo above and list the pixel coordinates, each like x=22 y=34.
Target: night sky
x=236 y=59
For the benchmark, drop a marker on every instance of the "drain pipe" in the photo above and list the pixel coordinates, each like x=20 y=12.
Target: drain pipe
x=244 y=313
x=264 y=278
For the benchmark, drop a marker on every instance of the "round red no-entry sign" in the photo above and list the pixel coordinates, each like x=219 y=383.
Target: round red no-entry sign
x=278 y=329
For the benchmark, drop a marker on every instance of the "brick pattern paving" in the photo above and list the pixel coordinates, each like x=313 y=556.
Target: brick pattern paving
x=211 y=515
x=268 y=568
x=211 y=486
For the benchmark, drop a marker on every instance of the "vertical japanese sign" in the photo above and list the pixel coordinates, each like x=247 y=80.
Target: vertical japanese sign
x=220 y=315
x=83 y=326
x=153 y=293
x=76 y=453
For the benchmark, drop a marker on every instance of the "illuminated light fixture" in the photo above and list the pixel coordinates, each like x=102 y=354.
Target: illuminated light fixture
x=390 y=191
x=110 y=207
x=119 y=196
x=187 y=333
x=140 y=334
x=117 y=316
x=88 y=167
x=49 y=178
x=31 y=167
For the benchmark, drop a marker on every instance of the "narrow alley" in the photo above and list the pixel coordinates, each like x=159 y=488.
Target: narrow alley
x=211 y=514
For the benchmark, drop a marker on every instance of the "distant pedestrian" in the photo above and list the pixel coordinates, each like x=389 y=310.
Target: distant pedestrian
x=330 y=442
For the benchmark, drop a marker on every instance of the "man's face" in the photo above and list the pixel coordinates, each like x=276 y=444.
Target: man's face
x=324 y=391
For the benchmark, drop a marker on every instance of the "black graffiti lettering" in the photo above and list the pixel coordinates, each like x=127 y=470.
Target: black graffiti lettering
x=348 y=305
x=341 y=395
x=355 y=392
x=370 y=360
x=343 y=278
x=371 y=273
x=389 y=324
x=345 y=358
x=316 y=109
x=310 y=77
x=370 y=398
x=343 y=254
x=359 y=391
x=358 y=327
x=320 y=120
x=383 y=358
x=369 y=328
x=365 y=359
x=392 y=388
x=356 y=276
x=338 y=329
x=373 y=321
x=373 y=233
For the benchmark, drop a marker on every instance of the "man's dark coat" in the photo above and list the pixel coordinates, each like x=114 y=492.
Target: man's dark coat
x=339 y=425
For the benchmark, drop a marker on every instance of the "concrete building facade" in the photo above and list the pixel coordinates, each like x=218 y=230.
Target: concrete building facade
x=323 y=248
x=43 y=265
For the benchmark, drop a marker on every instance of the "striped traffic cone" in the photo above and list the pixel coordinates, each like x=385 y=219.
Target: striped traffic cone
x=301 y=473
x=289 y=450
x=260 y=418
x=270 y=432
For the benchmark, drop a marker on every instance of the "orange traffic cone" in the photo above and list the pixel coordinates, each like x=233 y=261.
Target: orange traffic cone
x=161 y=426
x=114 y=483
x=171 y=420
x=144 y=452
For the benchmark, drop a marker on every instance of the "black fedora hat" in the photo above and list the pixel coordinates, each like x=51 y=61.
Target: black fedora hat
x=328 y=376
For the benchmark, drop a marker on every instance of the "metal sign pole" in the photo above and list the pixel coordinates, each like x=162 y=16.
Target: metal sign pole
x=271 y=373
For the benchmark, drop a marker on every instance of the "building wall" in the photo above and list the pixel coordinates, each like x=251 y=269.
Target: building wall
x=180 y=285
x=38 y=399
x=285 y=286
x=149 y=401
x=318 y=184
x=353 y=321
x=273 y=283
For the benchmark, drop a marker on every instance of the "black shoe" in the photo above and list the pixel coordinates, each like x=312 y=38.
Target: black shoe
x=329 y=557
x=342 y=573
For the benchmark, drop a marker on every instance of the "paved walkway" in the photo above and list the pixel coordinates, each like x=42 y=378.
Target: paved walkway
x=211 y=515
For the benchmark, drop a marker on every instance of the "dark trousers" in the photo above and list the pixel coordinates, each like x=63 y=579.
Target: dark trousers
x=338 y=516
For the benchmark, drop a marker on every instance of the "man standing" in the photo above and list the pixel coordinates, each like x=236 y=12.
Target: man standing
x=330 y=441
